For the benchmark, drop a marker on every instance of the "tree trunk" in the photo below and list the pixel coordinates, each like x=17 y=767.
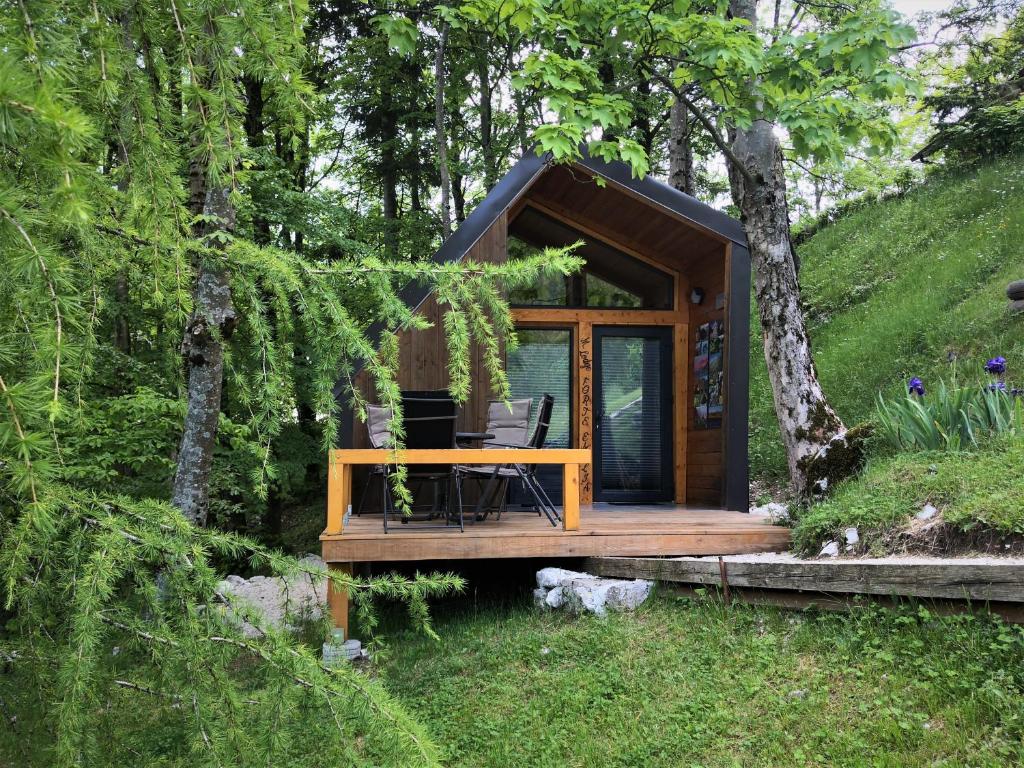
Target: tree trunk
x=415 y=172
x=203 y=352
x=389 y=181
x=254 y=108
x=387 y=140
x=483 y=73
x=819 y=450
x=212 y=322
x=442 y=138
x=643 y=126
x=519 y=97
x=606 y=74
x=681 y=173
x=458 y=197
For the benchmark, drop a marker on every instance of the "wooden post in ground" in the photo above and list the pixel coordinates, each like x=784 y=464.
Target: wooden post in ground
x=339 y=494
x=571 y=497
x=337 y=598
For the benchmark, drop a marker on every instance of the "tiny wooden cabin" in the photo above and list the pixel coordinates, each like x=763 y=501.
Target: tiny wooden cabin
x=645 y=351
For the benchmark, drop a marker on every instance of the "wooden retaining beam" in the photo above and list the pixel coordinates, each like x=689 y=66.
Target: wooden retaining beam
x=976 y=579
x=791 y=599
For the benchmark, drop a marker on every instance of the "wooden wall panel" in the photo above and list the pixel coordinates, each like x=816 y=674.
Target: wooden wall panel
x=583 y=334
x=423 y=354
x=704 y=447
x=699 y=454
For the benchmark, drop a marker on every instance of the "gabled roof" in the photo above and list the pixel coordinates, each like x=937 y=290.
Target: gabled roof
x=527 y=171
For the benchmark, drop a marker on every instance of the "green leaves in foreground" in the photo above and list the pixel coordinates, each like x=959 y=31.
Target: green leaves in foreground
x=116 y=608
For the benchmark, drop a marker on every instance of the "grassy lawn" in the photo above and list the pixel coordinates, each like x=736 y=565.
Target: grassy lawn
x=891 y=290
x=686 y=684
x=976 y=492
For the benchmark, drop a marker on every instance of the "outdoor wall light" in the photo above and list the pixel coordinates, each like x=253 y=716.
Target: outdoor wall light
x=697 y=295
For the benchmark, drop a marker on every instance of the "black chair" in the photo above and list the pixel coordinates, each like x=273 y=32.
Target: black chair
x=529 y=472
x=500 y=475
x=429 y=421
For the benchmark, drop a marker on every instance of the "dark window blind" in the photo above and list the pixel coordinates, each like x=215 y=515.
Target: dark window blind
x=539 y=365
x=632 y=414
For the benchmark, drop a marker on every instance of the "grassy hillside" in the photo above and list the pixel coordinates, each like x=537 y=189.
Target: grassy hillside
x=979 y=495
x=892 y=290
x=693 y=683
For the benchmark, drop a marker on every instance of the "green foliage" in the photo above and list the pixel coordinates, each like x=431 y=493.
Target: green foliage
x=824 y=82
x=893 y=289
x=978 y=113
x=124 y=606
x=112 y=117
x=691 y=682
x=950 y=418
x=977 y=492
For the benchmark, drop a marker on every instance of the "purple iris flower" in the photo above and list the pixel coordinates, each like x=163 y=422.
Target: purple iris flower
x=997 y=365
x=915 y=387
x=999 y=386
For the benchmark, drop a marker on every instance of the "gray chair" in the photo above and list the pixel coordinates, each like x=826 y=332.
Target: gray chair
x=377 y=419
x=509 y=423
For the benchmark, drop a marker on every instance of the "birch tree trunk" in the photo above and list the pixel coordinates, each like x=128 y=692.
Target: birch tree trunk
x=819 y=450
x=680 y=150
x=212 y=322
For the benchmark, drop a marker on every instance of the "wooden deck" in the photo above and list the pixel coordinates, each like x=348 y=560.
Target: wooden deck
x=604 y=530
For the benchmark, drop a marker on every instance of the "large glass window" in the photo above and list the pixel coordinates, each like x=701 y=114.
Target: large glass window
x=541 y=365
x=610 y=278
x=633 y=440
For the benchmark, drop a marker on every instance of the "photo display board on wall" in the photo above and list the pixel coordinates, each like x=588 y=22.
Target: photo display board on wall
x=707 y=375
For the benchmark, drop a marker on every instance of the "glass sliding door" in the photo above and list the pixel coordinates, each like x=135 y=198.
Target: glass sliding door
x=542 y=364
x=633 y=401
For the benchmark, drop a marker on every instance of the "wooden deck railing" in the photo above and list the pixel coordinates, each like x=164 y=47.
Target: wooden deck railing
x=339 y=475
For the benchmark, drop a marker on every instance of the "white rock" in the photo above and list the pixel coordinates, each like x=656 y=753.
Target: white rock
x=353 y=649
x=927 y=512
x=582 y=592
x=540 y=596
x=830 y=549
x=586 y=596
x=554 y=577
x=628 y=595
x=335 y=653
x=777 y=513
x=281 y=602
x=852 y=536
x=555 y=598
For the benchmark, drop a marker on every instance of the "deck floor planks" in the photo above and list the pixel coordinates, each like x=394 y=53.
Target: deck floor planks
x=603 y=531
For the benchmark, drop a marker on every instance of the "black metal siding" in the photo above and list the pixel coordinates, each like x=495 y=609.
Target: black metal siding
x=736 y=468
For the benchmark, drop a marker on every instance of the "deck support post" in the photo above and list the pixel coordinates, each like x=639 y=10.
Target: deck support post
x=339 y=495
x=571 y=497
x=337 y=598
